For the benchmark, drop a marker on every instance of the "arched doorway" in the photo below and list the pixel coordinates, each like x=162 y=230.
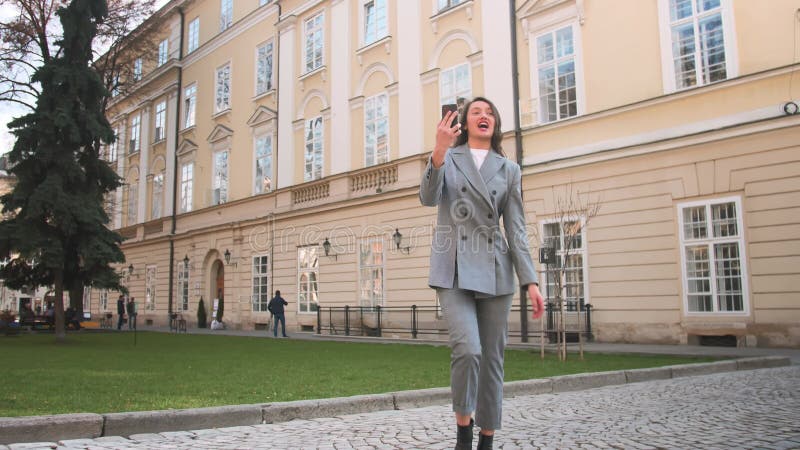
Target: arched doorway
x=217 y=287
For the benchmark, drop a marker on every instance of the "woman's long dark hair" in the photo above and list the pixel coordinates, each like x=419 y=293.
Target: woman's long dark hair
x=497 y=135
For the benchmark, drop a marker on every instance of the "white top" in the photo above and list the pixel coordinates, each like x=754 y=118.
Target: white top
x=478 y=155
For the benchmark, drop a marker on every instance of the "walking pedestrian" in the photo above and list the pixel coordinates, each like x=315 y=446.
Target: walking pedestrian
x=472 y=263
x=275 y=306
x=132 y=310
x=120 y=311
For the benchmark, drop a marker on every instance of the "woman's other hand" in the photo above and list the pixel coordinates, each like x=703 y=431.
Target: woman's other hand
x=537 y=301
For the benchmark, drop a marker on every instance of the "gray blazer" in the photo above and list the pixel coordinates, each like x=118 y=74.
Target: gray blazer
x=467 y=240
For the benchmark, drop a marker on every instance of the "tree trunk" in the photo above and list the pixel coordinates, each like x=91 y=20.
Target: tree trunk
x=76 y=299
x=61 y=334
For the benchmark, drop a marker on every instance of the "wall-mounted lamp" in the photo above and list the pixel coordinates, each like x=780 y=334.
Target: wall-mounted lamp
x=227 y=255
x=130 y=269
x=186 y=262
x=398 y=239
x=326 y=247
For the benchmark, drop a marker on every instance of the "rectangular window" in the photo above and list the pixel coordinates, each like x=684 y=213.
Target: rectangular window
x=376 y=129
x=190 y=102
x=314 y=34
x=455 y=85
x=115 y=86
x=263 y=165
x=158 y=196
x=220 y=181
x=264 y=68
x=261 y=295
x=712 y=253
x=161 y=121
x=375 y=26
x=555 y=68
x=133 y=202
x=135 y=130
x=150 y=288
x=307 y=279
x=193 y=40
x=183 y=287
x=225 y=14
x=698 y=42
x=87 y=299
x=567 y=239
x=187 y=178
x=223 y=91
x=444 y=4
x=163 y=52
x=103 y=300
x=113 y=147
x=313 y=154
x=137 y=69
x=370 y=268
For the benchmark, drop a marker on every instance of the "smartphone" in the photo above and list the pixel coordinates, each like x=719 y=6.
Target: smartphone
x=446 y=109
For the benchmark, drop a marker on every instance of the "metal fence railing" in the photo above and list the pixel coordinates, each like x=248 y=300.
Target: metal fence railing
x=426 y=322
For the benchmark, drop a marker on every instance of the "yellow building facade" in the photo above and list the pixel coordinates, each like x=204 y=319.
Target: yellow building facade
x=262 y=129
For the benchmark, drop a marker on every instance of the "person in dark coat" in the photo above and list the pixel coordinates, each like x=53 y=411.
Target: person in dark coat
x=276 y=308
x=120 y=311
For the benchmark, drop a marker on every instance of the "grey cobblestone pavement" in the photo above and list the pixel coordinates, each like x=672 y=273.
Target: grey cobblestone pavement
x=756 y=409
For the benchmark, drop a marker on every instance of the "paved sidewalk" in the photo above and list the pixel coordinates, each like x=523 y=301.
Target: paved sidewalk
x=734 y=410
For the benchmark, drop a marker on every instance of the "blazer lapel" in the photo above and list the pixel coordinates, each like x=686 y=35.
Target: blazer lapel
x=491 y=165
x=462 y=158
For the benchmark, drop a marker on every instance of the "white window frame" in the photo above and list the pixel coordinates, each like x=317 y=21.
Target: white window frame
x=371 y=155
x=310 y=30
x=259 y=186
x=135 y=143
x=667 y=56
x=222 y=88
x=187 y=186
x=113 y=148
x=103 y=298
x=163 y=52
x=453 y=95
x=380 y=25
x=709 y=241
x=150 y=276
x=193 y=37
x=190 y=105
x=225 y=14
x=160 y=131
x=560 y=253
x=220 y=180
x=314 y=160
x=370 y=302
x=157 y=202
x=443 y=5
x=133 y=202
x=137 y=69
x=261 y=283
x=577 y=53
x=87 y=299
x=182 y=287
x=265 y=82
x=306 y=306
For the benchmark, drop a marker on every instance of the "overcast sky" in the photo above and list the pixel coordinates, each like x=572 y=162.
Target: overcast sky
x=10 y=110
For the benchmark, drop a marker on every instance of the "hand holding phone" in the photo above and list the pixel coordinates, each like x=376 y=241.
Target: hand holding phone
x=446 y=133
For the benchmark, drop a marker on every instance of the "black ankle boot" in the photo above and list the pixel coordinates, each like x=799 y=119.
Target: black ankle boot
x=464 y=441
x=485 y=442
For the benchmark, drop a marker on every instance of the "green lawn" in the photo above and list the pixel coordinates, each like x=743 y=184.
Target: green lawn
x=106 y=373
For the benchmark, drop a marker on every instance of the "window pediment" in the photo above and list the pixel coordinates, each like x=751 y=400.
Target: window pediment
x=533 y=7
x=186 y=147
x=219 y=133
x=262 y=115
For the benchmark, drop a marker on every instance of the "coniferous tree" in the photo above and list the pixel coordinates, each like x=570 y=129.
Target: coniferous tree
x=57 y=231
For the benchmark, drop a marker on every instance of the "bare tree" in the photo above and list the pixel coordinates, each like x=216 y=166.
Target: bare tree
x=562 y=241
x=29 y=40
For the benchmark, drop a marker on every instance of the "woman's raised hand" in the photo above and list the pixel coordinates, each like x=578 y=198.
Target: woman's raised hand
x=445 y=137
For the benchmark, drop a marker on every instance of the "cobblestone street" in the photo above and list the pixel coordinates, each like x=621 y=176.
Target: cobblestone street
x=734 y=410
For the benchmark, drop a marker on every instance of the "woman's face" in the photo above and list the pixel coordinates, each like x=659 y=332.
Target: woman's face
x=480 y=120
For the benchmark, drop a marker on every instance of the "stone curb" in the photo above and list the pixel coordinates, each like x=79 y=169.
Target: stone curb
x=64 y=427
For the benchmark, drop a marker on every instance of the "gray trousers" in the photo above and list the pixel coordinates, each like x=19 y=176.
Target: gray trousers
x=478 y=333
